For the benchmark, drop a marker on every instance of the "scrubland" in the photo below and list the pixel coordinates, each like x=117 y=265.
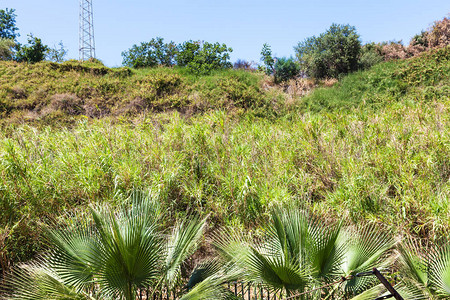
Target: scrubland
x=373 y=147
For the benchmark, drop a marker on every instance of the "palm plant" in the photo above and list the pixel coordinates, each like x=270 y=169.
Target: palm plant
x=426 y=271
x=114 y=253
x=298 y=253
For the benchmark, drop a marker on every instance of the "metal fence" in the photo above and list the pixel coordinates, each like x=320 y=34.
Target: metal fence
x=250 y=291
x=242 y=290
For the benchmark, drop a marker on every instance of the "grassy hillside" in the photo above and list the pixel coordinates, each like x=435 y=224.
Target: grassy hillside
x=417 y=80
x=47 y=92
x=374 y=147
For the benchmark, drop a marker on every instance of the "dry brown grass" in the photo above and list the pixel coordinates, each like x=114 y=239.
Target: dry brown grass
x=329 y=82
x=439 y=34
x=394 y=50
x=68 y=103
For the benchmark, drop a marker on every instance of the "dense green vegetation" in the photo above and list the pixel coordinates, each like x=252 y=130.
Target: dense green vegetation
x=333 y=53
x=235 y=145
x=49 y=92
x=412 y=82
x=374 y=147
x=199 y=58
x=116 y=251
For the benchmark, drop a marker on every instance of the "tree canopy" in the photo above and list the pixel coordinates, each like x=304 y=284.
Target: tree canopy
x=332 y=53
x=8 y=29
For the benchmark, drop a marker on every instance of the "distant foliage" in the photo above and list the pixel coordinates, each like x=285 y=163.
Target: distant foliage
x=266 y=57
x=150 y=54
x=34 y=52
x=198 y=57
x=439 y=34
x=6 y=48
x=394 y=50
x=8 y=29
x=202 y=57
x=371 y=54
x=243 y=65
x=57 y=54
x=330 y=54
x=420 y=79
x=285 y=69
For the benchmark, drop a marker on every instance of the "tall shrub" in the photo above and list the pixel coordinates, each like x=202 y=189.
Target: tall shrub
x=332 y=53
x=285 y=69
x=6 y=48
x=150 y=54
x=203 y=57
x=34 y=52
x=266 y=57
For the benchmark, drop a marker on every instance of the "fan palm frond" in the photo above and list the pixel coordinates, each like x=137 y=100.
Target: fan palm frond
x=182 y=243
x=426 y=270
x=116 y=251
x=367 y=248
x=413 y=263
x=35 y=281
x=439 y=270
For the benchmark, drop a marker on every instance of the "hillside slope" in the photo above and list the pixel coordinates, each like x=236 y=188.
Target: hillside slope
x=47 y=92
x=373 y=148
x=419 y=79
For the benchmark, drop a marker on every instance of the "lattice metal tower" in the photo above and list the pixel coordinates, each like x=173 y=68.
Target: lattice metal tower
x=87 y=43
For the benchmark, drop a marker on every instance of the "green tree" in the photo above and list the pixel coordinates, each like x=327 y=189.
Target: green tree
x=299 y=253
x=331 y=54
x=34 y=52
x=8 y=29
x=285 y=69
x=115 y=252
x=6 y=48
x=266 y=57
x=150 y=54
x=203 y=57
x=57 y=54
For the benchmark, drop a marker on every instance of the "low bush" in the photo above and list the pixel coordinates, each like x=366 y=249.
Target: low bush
x=285 y=69
x=243 y=64
x=371 y=54
x=6 y=48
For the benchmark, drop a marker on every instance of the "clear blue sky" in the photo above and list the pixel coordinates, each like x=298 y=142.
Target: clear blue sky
x=244 y=25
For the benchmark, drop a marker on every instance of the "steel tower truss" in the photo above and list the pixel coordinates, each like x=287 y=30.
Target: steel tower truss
x=86 y=33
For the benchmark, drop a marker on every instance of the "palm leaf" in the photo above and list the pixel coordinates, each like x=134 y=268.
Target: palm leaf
x=412 y=290
x=182 y=243
x=371 y=293
x=35 y=281
x=439 y=270
x=412 y=263
x=367 y=249
x=326 y=252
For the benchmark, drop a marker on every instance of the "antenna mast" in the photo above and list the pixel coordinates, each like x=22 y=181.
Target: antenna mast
x=86 y=33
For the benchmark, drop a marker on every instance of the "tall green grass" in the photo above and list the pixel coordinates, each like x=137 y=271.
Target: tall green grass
x=370 y=148
x=391 y=166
